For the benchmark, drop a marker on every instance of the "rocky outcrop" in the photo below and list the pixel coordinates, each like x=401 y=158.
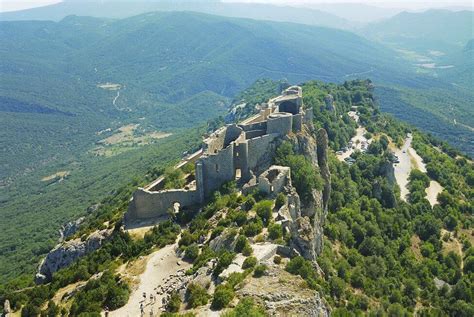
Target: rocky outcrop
x=70 y=229
x=6 y=308
x=329 y=103
x=304 y=220
x=322 y=141
x=67 y=252
x=281 y=294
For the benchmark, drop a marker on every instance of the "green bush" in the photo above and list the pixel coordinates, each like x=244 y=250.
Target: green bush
x=260 y=270
x=174 y=178
x=223 y=295
x=249 y=262
x=223 y=261
x=280 y=200
x=174 y=303
x=249 y=203
x=253 y=228
x=246 y=308
x=241 y=243
x=275 y=231
x=264 y=210
x=192 y=252
x=197 y=295
x=277 y=259
x=247 y=251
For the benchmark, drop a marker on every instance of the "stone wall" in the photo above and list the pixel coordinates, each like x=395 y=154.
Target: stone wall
x=273 y=180
x=148 y=204
x=217 y=169
x=280 y=123
x=255 y=126
x=261 y=153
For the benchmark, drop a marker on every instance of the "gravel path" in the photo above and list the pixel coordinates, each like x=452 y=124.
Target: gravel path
x=409 y=159
x=159 y=267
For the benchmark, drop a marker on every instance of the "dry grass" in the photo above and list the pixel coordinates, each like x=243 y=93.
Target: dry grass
x=415 y=246
x=60 y=175
x=125 y=139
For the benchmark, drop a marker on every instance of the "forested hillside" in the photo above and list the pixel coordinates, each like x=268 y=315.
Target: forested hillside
x=84 y=99
x=381 y=254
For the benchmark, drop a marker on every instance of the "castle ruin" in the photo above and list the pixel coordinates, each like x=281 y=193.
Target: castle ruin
x=238 y=152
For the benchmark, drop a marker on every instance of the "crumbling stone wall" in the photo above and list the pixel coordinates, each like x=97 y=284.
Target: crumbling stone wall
x=246 y=149
x=217 y=169
x=149 y=204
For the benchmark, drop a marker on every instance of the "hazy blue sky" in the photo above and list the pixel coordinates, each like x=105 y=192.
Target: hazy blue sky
x=11 y=5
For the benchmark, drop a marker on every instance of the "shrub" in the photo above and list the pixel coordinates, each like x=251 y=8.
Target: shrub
x=174 y=303
x=224 y=260
x=336 y=286
x=277 y=259
x=275 y=231
x=174 y=178
x=280 y=200
x=192 y=252
x=259 y=270
x=247 y=251
x=187 y=238
x=223 y=295
x=246 y=307
x=236 y=278
x=249 y=203
x=217 y=231
x=302 y=267
x=197 y=295
x=249 y=262
x=241 y=243
x=253 y=228
x=264 y=210
x=205 y=255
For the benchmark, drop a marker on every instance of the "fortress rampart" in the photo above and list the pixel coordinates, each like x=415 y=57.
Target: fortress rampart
x=235 y=152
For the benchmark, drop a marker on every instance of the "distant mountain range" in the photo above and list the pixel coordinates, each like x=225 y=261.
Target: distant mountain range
x=441 y=30
x=123 y=9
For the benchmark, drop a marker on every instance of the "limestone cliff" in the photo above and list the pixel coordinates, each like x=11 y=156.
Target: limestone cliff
x=67 y=252
x=305 y=219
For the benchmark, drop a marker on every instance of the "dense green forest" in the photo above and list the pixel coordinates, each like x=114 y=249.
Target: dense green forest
x=381 y=254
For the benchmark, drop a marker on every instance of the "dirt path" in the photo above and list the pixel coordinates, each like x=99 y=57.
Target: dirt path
x=409 y=160
x=403 y=168
x=357 y=140
x=161 y=264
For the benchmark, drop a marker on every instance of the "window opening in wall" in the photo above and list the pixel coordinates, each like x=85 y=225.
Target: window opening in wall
x=238 y=174
x=176 y=207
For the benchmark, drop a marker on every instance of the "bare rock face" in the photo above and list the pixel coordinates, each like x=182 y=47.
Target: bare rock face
x=304 y=220
x=70 y=228
x=322 y=151
x=6 y=308
x=225 y=241
x=329 y=102
x=282 y=294
x=67 y=252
